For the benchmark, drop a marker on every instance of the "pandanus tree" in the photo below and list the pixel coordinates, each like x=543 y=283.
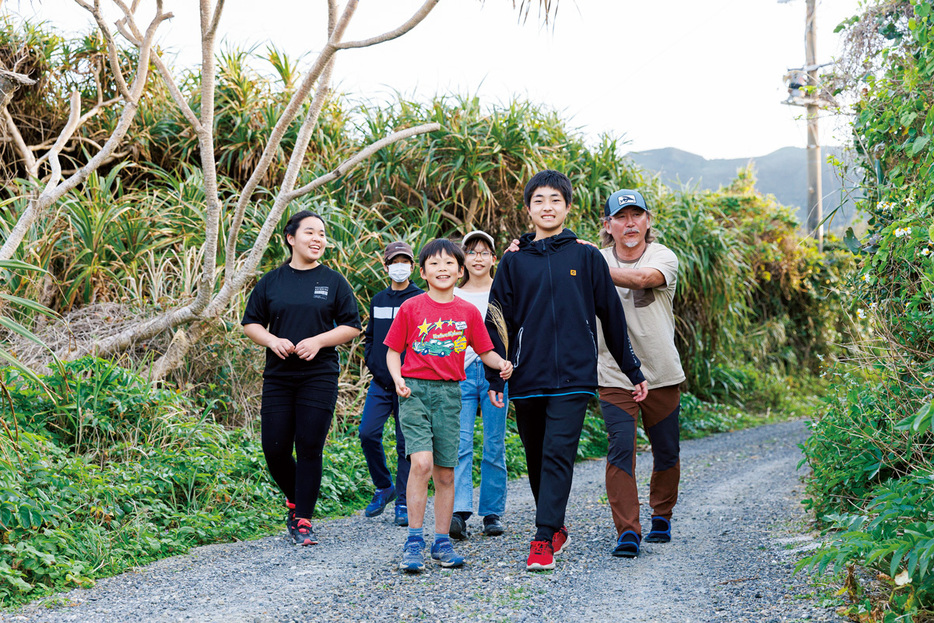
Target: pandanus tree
x=121 y=80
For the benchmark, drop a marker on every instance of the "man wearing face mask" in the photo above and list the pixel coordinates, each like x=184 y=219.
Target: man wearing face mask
x=381 y=398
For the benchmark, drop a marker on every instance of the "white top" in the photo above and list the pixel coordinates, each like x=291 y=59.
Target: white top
x=480 y=300
x=650 y=322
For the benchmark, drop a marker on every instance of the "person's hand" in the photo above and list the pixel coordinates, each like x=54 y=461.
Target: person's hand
x=402 y=389
x=497 y=399
x=505 y=369
x=640 y=391
x=587 y=242
x=281 y=346
x=513 y=246
x=307 y=348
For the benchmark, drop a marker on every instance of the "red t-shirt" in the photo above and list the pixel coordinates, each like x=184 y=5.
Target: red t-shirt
x=436 y=336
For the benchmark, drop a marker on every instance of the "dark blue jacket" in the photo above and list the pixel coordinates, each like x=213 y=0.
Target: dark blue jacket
x=550 y=292
x=383 y=308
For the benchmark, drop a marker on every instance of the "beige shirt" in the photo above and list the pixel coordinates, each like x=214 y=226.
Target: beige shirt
x=650 y=321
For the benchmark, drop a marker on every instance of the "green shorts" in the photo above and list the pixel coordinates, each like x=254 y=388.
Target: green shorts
x=430 y=419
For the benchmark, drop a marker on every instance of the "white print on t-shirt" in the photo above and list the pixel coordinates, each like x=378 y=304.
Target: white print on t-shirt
x=321 y=292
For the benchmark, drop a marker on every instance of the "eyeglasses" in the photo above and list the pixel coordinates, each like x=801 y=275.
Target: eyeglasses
x=484 y=255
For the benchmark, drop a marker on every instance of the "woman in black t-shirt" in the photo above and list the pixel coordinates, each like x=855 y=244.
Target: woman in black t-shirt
x=300 y=312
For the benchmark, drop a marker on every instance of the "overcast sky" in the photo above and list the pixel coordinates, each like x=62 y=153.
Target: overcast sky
x=705 y=77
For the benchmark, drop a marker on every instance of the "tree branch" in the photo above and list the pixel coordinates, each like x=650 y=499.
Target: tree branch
x=275 y=138
x=348 y=165
x=412 y=22
x=111 y=46
x=32 y=167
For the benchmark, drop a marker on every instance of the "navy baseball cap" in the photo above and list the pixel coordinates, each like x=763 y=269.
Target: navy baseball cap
x=623 y=199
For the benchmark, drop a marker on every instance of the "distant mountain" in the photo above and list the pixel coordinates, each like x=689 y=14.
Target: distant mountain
x=782 y=173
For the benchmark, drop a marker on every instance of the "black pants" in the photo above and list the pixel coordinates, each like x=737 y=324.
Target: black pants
x=550 y=429
x=297 y=413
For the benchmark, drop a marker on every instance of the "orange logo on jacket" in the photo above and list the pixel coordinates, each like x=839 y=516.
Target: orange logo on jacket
x=573 y=273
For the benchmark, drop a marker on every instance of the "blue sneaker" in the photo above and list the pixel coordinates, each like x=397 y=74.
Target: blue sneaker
x=381 y=498
x=661 y=531
x=402 y=515
x=442 y=552
x=413 y=560
x=627 y=545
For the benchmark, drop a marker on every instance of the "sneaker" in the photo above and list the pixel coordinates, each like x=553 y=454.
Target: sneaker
x=442 y=552
x=381 y=498
x=541 y=557
x=290 y=516
x=402 y=515
x=458 y=529
x=302 y=532
x=492 y=526
x=413 y=560
x=661 y=531
x=560 y=540
x=627 y=545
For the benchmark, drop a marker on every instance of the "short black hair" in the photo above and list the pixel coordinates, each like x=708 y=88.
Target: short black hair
x=291 y=227
x=552 y=179
x=438 y=246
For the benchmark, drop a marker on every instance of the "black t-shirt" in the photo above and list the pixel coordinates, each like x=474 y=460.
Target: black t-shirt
x=297 y=304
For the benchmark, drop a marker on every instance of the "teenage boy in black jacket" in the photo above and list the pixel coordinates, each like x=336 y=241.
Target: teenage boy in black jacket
x=381 y=398
x=549 y=294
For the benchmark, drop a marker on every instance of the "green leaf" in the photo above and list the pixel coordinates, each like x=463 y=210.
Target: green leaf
x=919 y=144
x=852 y=242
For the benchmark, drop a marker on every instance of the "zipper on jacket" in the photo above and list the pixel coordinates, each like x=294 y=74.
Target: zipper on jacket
x=554 y=319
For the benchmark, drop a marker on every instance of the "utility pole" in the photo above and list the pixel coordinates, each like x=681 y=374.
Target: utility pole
x=815 y=196
x=804 y=90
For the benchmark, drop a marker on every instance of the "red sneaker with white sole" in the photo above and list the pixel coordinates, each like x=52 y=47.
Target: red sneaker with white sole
x=560 y=540
x=541 y=557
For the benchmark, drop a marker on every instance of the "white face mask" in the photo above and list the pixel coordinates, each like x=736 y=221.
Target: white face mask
x=399 y=272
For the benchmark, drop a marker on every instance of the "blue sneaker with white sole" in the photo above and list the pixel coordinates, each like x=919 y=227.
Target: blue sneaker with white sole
x=442 y=552
x=413 y=560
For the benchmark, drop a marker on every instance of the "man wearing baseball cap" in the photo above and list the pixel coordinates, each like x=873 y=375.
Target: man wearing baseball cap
x=645 y=274
x=381 y=398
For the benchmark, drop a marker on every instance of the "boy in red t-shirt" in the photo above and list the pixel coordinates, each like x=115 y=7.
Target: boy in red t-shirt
x=435 y=329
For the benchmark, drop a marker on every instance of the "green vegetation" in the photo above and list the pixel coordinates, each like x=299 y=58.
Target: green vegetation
x=872 y=451
x=101 y=469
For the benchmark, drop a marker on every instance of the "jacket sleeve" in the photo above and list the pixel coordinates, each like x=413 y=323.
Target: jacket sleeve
x=609 y=310
x=368 y=338
x=501 y=297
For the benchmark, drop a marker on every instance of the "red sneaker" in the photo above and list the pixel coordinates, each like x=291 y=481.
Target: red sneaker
x=541 y=557
x=560 y=540
x=302 y=532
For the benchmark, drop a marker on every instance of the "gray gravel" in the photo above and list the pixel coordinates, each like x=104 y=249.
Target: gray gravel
x=738 y=530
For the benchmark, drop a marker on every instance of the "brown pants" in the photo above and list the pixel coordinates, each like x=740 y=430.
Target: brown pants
x=659 y=412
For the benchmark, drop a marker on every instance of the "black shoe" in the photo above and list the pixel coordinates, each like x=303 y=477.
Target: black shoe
x=627 y=545
x=661 y=531
x=302 y=533
x=492 y=526
x=458 y=530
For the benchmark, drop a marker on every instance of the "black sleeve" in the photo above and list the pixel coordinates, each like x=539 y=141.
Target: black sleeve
x=257 y=308
x=368 y=337
x=345 y=305
x=501 y=297
x=609 y=310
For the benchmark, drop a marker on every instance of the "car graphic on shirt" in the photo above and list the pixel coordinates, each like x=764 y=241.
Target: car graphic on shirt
x=434 y=348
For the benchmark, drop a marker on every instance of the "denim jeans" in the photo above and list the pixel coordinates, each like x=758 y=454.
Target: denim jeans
x=493 y=468
x=380 y=404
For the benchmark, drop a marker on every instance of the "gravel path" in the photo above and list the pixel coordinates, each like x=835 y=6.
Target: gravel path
x=738 y=529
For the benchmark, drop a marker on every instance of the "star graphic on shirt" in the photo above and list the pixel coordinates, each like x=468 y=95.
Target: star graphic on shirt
x=424 y=328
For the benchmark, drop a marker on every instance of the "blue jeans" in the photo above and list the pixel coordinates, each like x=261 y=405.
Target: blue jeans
x=380 y=404
x=493 y=468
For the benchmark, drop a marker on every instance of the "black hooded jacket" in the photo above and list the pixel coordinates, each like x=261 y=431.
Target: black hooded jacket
x=550 y=292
